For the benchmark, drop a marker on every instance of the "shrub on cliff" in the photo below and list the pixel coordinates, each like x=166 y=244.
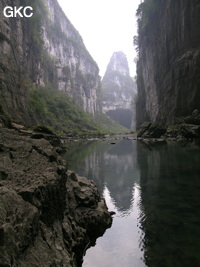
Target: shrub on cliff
x=146 y=15
x=57 y=111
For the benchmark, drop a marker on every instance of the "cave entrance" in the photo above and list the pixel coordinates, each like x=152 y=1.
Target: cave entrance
x=122 y=116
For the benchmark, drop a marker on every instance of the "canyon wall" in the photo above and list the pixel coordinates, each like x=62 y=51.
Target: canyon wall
x=119 y=90
x=168 y=70
x=44 y=50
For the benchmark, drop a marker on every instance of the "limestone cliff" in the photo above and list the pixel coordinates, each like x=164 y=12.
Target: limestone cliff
x=43 y=51
x=119 y=90
x=169 y=60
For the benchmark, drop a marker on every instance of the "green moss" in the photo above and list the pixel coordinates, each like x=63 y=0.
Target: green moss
x=57 y=111
x=36 y=103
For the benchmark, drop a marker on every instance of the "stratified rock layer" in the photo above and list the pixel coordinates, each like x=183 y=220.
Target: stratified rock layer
x=48 y=216
x=169 y=60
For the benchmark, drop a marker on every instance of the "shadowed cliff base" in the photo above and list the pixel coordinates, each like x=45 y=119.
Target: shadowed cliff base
x=168 y=69
x=184 y=128
x=122 y=116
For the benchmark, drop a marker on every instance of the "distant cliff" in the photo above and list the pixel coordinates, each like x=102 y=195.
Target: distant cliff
x=119 y=90
x=168 y=69
x=44 y=51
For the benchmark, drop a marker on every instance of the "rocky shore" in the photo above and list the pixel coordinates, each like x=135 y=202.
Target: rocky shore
x=49 y=216
x=185 y=128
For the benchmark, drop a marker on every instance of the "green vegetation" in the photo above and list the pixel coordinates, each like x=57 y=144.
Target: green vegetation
x=60 y=113
x=146 y=15
x=34 y=25
x=109 y=126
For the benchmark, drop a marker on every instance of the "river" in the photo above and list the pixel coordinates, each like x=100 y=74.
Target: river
x=155 y=192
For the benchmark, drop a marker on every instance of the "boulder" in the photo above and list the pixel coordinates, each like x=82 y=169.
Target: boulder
x=190 y=130
x=151 y=130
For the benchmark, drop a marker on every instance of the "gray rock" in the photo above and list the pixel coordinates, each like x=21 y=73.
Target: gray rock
x=169 y=61
x=48 y=216
x=119 y=90
x=151 y=130
x=62 y=62
x=195 y=112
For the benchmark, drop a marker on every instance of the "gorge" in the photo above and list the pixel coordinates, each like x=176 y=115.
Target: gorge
x=47 y=75
x=45 y=50
x=53 y=118
x=49 y=215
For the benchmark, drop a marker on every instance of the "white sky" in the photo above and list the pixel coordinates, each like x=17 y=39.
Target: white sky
x=106 y=26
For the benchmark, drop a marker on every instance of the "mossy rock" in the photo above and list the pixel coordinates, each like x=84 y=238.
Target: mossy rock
x=42 y=129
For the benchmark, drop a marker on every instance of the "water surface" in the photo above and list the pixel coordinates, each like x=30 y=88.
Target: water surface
x=154 y=190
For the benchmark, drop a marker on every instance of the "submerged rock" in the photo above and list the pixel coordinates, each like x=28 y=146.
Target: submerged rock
x=48 y=216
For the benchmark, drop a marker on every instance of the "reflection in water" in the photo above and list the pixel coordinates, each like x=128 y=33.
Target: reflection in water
x=114 y=170
x=113 y=166
x=170 y=185
x=155 y=193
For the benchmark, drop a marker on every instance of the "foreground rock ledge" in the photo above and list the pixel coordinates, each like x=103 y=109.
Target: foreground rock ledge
x=48 y=215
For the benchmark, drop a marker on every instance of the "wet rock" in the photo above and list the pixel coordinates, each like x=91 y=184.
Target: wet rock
x=145 y=126
x=42 y=129
x=88 y=209
x=151 y=130
x=17 y=126
x=48 y=216
x=195 y=112
x=194 y=119
x=190 y=131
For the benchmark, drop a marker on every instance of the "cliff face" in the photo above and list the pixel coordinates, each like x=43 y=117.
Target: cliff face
x=118 y=91
x=43 y=51
x=77 y=73
x=169 y=60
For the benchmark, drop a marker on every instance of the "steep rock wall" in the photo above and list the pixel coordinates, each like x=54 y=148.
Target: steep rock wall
x=44 y=50
x=169 y=60
x=119 y=90
x=77 y=72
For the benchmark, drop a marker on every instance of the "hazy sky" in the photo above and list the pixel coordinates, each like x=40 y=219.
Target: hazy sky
x=106 y=26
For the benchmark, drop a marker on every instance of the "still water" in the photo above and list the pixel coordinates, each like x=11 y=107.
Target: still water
x=155 y=192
